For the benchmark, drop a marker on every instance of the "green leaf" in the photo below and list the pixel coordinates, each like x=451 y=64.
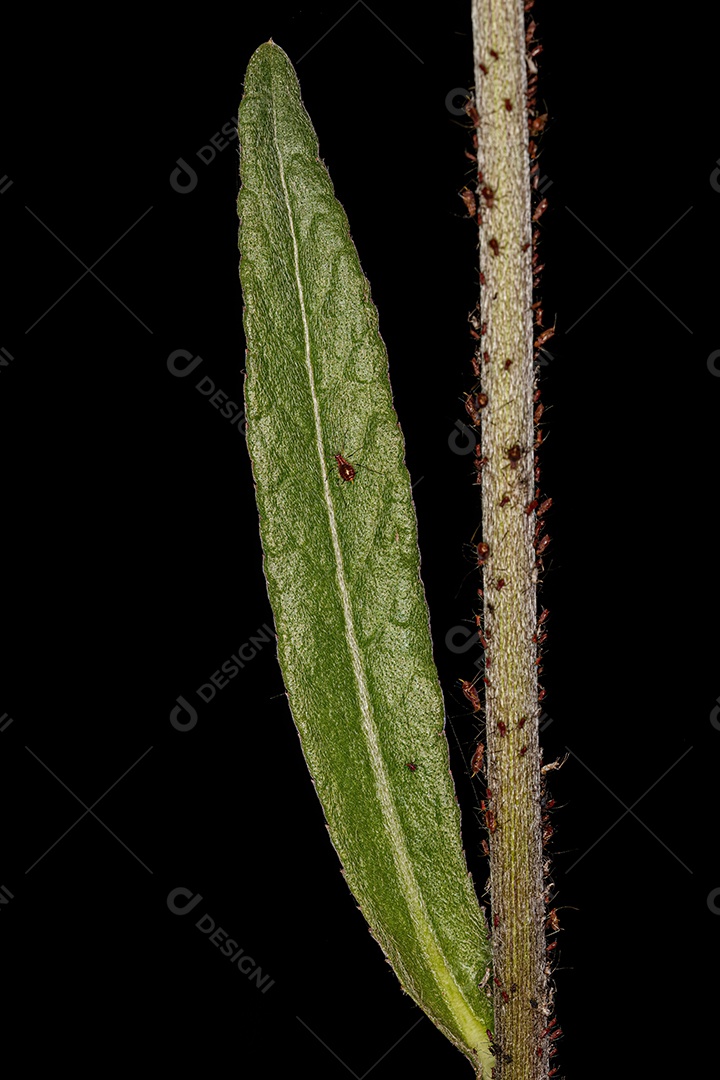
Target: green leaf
x=342 y=563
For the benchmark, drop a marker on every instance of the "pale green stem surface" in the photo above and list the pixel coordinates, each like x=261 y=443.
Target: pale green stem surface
x=510 y=577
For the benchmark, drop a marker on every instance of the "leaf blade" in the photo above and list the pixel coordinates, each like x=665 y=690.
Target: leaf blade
x=342 y=563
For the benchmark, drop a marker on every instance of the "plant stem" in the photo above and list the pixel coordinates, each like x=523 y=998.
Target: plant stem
x=522 y=998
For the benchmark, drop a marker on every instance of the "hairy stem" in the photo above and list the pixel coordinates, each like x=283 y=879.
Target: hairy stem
x=513 y=804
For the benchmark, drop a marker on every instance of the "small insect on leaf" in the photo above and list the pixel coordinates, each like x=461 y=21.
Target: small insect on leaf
x=552 y=921
x=483 y=550
x=472 y=113
x=345 y=469
x=471 y=694
x=480 y=462
x=473 y=404
x=538 y=124
x=544 y=507
x=489 y=196
x=545 y=336
x=543 y=544
x=470 y=202
x=557 y=764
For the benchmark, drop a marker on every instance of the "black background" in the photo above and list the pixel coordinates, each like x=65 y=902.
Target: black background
x=133 y=562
